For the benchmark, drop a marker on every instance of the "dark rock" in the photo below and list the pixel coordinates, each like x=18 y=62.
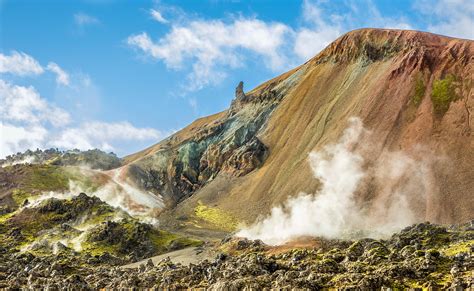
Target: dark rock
x=149 y=263
x=239 y=91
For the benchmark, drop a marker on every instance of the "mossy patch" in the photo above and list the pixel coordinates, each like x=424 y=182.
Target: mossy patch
x=217 y=217
x=132 y=239
x=19 y=196
x=98 y=248
x=443 y=93
x=48 y=178
x=166 y=241
x=419 y=93
x=5 y=217
x=37 y=178
x=454 y=249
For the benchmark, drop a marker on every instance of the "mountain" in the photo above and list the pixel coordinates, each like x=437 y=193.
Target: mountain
x=412 y=90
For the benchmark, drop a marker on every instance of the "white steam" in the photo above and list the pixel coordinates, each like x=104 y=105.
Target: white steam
x=25 y=160
x=345 y=170
x=117 y=193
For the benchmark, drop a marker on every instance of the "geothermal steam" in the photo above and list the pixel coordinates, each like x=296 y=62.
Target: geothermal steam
x=118 y=193
x=345 y=169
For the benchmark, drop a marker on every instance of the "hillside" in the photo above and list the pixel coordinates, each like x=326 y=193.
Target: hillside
x=413 y=92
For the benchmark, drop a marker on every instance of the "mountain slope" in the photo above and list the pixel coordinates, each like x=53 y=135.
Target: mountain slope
x=411 y=90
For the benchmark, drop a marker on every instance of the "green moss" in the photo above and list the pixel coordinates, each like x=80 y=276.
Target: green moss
x=38 y=178
x=49 y=178
x=216 y=217
x=19 y=196
x=420 y=89
x=443 y=93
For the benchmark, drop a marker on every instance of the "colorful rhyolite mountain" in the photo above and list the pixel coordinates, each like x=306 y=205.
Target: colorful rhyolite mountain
x=412 y=92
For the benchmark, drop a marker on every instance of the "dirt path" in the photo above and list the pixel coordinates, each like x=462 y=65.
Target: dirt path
x=185 y=256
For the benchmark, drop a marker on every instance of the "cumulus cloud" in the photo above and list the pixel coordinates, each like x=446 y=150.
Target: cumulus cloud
x=24 y=104
x=29 y=121
x=210 y=48
x=20 y=138
x=98 y=134
x=156 y=15
x=19 y=63
x=317 y=32
x=62 y=77
x=24 y=115
x=449 y=17
x=83 y=19
x=211 y=45
x=322 y=26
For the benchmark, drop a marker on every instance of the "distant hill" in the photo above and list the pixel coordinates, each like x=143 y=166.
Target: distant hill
x=94 y=159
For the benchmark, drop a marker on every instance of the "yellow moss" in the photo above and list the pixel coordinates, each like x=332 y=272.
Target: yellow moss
x=457 y=248
x=163 y=239
x=4 y=218
x=413 y=284
x=51 y=161
x=216 y=217
x=98 y=248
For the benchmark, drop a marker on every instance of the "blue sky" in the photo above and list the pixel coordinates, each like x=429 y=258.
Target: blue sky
x=121 y=75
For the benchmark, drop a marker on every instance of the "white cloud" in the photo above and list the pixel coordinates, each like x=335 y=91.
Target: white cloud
x=19 y=63
x=213 y=45
x=24 y=104
x=449 y=17
x=194 y=104
x=156 y=15
x=309 y=42
x=14 y=139
x=100 y=134
x=83 y=19
x=28 y=121
x=321 y=27
x=61 y=76
x=317 y=32
x=209 y=48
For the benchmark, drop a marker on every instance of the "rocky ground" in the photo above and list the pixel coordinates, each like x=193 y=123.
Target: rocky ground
x=423 y=255
x=78 y=230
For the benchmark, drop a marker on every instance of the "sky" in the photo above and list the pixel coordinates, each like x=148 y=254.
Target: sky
x=123 y=75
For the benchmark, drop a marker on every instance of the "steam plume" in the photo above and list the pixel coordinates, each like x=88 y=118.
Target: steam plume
x=344 y=169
